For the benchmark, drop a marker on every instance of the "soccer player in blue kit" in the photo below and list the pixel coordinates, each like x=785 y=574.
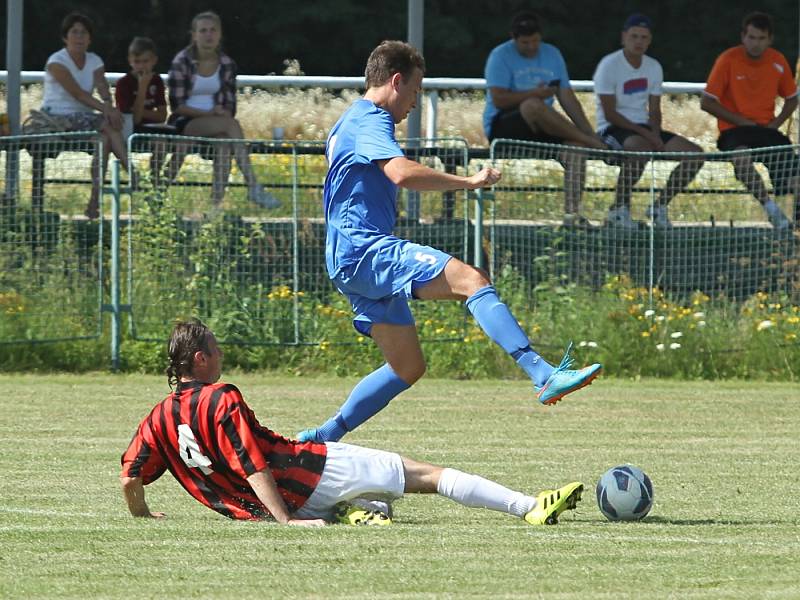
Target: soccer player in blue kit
x=379 y=272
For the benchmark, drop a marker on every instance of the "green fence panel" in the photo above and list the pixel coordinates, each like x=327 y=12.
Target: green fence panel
x=256 y=275
x=51 y=256
x=719 y=241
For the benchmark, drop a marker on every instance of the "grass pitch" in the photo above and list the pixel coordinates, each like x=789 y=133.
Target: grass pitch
x=723 y=458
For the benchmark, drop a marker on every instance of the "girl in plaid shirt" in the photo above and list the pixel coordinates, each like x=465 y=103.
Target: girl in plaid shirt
x=202 y=99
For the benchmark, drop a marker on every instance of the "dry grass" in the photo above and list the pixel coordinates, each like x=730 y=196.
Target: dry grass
x=308 y=114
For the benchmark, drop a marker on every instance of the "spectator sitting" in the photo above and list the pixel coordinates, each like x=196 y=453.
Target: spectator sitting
x=523 y=75
x=627 y=86
x=741 y=92
x=141 y=95
x=202 y=98
x=71 y=76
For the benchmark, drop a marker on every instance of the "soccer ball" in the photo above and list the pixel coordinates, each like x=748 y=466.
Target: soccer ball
x=624 y=493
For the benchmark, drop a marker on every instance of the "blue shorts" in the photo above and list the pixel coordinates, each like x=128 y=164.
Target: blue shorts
x=381 y=282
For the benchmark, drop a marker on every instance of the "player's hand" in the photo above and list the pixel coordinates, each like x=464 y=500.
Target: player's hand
x=220 y=111
x=307 y=522
x=655 y=139
x=113 y=116
x=483 y=178
x=144 y=76
x=544 y=91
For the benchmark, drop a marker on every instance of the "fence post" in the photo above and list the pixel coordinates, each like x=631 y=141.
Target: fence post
x=115 y=305
x=478 y=239
x=431 y=116
x=652 y=248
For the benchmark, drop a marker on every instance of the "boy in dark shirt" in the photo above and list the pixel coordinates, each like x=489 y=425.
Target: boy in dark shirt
x=141 y=95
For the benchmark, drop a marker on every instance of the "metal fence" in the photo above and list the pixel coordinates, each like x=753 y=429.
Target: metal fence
x=51 y=256
x=165 y=248
x=719 y=239
x=257 y=275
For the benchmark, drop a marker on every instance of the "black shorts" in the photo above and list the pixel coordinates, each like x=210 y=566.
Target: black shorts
x=618 y=135
x=180 y=124
x=782 y=165
x=510 y=124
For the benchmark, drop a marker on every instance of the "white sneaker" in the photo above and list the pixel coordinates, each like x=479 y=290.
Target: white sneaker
x=258 y=195
x=621 y=217
x=658 y=214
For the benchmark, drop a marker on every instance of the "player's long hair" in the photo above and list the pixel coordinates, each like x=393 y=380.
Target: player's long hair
x=392 y=57
x=187 y=338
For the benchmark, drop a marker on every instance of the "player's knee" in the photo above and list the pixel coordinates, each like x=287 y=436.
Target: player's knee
x=411 y=372
x=532 y=108
x=475 y=280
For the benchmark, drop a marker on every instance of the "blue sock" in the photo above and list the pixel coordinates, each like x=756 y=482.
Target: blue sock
x=368 y=398
x=500 y=325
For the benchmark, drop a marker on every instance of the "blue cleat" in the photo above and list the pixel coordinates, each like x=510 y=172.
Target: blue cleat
x=564 y=380
x=310 y=435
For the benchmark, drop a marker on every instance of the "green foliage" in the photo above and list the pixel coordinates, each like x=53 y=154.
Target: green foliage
x=459 y=35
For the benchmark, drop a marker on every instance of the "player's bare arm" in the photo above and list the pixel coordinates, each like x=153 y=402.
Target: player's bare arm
x=264 y=486
x=505 y=99
x=133 y=490
x=572 y=106
x=415 y=176
x=789 y=106
x=713 y=107
x=613 y=116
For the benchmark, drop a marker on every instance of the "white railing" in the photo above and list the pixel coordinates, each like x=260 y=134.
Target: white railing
x=430 y=85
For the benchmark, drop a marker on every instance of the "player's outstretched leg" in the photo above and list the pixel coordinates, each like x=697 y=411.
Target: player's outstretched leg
x=370 y=396
x=477 y=492
x=564 y=380
x=551 y=383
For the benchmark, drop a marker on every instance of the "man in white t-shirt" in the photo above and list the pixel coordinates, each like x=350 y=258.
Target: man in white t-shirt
x=627 y=86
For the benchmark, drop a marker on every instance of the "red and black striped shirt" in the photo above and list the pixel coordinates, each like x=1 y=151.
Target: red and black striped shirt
x=211 y=441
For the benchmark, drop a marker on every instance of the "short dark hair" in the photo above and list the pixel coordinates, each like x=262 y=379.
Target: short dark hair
x=76 y=17
x=140 y=45
x=759 y=20
x=525 y=23
x=391 y=57
x=187 y=338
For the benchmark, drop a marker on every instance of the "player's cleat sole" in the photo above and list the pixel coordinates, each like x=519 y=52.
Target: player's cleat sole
x=551 y=503
x=350 y=514
x=309 y=435
x=564 y=380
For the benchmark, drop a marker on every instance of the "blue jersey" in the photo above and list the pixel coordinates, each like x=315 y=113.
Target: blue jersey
x=360 y=202
x=506 y=68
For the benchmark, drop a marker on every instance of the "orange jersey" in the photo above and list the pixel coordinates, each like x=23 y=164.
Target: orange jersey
x=749 y=87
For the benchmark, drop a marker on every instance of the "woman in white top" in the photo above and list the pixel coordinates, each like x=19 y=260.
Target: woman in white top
x=71 y=76
x=202 y=98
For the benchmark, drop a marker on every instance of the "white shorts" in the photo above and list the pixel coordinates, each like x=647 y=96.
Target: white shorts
x=354 y=472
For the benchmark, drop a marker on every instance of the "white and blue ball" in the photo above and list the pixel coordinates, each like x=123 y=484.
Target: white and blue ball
x=624 y=493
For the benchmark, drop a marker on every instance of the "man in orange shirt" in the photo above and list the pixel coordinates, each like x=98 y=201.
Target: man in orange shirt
x=741 y=92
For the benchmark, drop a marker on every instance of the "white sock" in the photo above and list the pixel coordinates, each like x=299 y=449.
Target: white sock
x=477 y=492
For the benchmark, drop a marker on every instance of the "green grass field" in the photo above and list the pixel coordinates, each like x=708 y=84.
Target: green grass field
x=723 y=458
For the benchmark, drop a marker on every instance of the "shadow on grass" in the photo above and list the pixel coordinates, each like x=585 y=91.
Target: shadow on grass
x=658 y=520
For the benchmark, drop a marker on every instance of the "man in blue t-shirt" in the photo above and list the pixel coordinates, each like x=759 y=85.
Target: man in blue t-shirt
x=523 y=75
x=379 y=273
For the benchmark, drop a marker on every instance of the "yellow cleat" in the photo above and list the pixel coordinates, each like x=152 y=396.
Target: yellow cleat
x=551 y=503
x=349 y=514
